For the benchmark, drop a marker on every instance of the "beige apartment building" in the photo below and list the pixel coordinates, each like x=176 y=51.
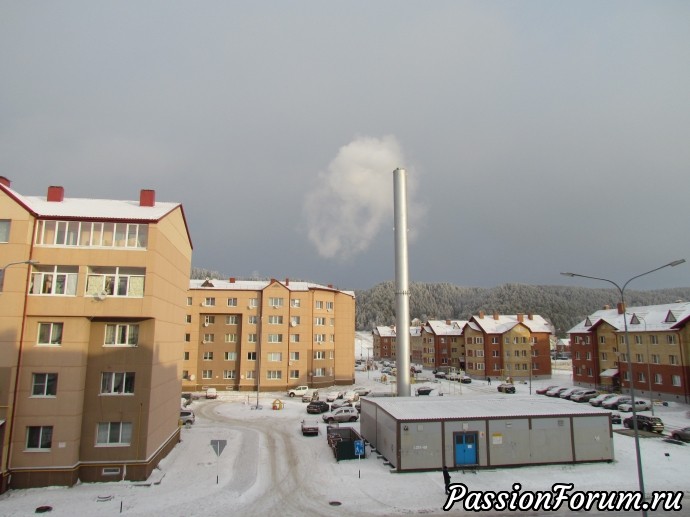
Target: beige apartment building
x=91 y=334
x=241 y=334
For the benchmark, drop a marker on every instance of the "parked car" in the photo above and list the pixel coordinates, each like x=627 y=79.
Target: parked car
x=440 y=375
x=542 y=391
x=317 y=407
x=358 y=406
x=466 y=380
x=340 y=403
x=615 y=418
x=310 y=395
x=211 y=393
x=343 y=414
x=506 y=388
x=187 y=416
x=584 y=395
x=454 y=376
x=645 y=423
x=600 y=399
x=362 y=391
x=640 y=405
x=310 y=427
x=424 y=390
x=556 y=392
x=681 y=434
x=566 y=394
x=332 y=395
x=351 y=395
x=613 y=402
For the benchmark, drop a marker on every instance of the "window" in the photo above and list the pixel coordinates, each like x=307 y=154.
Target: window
x=318 y=304
x=253 y=302
x=209 y=302
x=320 y=354
x=675 y=380
x=50 y=333
x=91 y=234
x=494 y=340
x=494 y=353
x=44 y=385
x=294 y=338
x=189 y=300
x=230 y=356
x=588 y=356
x=506 y=340
x=54 y=280
x=188 y=318
x=275 y=302
x=295 y=303
x=121 y=335
x=228 y=374
x=673 y=359
x=653 y=339
x=231 y=338
x=185 y=374
x=253 y=320
x=604 y=356
x=480 y=353
x=188 y=337
x=294 y=320
x=671 y=339
x=208 y=356
x=320 y=372
x=602 y=340
x=250 y=374
x=117 y=383
x=5 y=230
x=251 y=338
x=186 y=356
x=319 y=321
x=116 y=281
x=231 y=320
x=319 y=338
x=658 y=379
x=655 y=359
x=39 y=437
x=294 y=374
x=209 y=338
x=638 y=339
x=329 y=306
x=639 y=358
x=275 y=320
x=294 y=356
x=589 y=372
x=209 y=320
x=114 y=433
x=274 y=375
x=275 y=356
x=251 y=356
x=641 y=377
x=207 y=374
x=621 y=339
x=232 y=302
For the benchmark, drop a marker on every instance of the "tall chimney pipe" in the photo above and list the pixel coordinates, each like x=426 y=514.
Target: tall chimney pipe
x=402 y=292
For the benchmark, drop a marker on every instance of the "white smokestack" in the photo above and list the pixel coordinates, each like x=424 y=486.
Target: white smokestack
x=402 y=291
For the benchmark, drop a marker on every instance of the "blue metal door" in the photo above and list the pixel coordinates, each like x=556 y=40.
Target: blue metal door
x=465 y=448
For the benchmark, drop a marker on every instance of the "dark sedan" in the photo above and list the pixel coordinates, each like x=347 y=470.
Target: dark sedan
x=317 y=407
x=506 y=388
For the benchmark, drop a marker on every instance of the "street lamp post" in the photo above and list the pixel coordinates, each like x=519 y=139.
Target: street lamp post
x=621 y=291
x=2 y=270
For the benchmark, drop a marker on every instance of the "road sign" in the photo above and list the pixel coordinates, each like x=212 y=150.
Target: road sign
x=359 y=447
x=218 y=446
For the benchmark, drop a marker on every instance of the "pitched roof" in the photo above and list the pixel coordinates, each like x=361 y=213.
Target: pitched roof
x=259 y=285
x=665 y=317
x=502 y=323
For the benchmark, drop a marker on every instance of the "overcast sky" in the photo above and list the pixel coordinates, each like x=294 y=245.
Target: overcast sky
x=538 y=137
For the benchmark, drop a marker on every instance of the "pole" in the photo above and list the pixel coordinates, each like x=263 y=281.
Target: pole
x=402 y=293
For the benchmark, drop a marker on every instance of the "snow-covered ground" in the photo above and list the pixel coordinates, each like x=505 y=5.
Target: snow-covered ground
x=269 y=468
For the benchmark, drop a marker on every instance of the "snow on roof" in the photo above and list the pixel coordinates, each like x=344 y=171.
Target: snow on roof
x=258 y=285
x=456 y=408
x=502 y=323
x=446 y=327
x=390 y=331
x=639 y=319
x=95 y=208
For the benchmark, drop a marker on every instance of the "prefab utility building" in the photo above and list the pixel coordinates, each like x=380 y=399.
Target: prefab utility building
x=426 y=433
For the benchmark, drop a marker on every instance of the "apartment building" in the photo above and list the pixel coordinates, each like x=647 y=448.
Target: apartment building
x=91 y=334
x=241 y=334
x=508 y=346
x=385 y=346
x=658 y=340
x=443 y=344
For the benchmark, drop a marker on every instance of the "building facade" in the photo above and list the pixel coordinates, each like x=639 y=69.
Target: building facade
x=93 y=305
x=658 y=340
x=241 y=334
x=385 y=346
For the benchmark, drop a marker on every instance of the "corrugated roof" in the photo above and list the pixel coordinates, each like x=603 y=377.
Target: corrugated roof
x=444 y=408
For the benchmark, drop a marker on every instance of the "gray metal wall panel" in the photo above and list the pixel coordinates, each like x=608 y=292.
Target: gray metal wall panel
x=550 y=440
x=386 y=435
x=509 y=441
x=592 y=438
x=420 y=445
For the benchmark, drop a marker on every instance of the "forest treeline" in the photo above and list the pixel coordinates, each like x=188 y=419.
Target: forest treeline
x=563 y=306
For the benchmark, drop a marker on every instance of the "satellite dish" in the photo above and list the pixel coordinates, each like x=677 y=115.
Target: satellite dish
x=192 y=377
x=100 y=296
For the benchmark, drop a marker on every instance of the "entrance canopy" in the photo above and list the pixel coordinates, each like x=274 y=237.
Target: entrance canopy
x=611 y=372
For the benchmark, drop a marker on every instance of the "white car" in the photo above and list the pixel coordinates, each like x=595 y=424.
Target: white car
x=351 y=396
x=361 y=391
x=333 y=395
x=640 y=405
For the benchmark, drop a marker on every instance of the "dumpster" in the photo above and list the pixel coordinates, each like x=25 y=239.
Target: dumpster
x=342 y=441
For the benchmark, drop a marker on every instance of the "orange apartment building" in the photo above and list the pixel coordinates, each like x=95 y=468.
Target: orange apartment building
x=659 y=346
x=241 y=334
x=443 y=346
x=384 y=344
x=91 y=335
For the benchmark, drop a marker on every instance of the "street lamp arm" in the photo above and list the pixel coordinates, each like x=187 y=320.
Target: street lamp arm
x=604 y=279
x=670 y=264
